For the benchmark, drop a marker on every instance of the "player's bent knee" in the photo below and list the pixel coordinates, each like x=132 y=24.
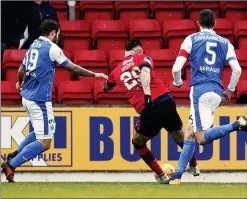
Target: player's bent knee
x=46 y=144
x=200 y=138
x=138 y=145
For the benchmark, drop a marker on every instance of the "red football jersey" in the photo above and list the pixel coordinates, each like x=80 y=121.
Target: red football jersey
x=127 y=76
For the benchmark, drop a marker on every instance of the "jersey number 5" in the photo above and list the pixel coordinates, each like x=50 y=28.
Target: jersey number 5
x=209 y=46
x=31 y=59
x=130 y=78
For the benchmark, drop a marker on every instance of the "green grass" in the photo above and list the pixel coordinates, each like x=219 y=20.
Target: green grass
x=123 y=190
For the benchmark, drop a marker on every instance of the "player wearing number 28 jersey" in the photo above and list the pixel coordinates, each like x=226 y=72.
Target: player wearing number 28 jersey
x=151 y=99
x=39 y=67
x=208 y=53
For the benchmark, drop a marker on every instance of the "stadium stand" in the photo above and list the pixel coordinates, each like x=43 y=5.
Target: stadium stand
x=127 y=10
x=94 y=60
x=240 y=32
x=9 y=94
x=76 y=35
x=97 y=41
x=12 y=60
x=224 y=28
x=62 y=10
x=75 y=92
x=234 y=10
x=116 y=56
x=97 y=10
x=193 y=9
x=167 y=11
x=175 y=31
x=61 y=74
x=148 y=31
x=116 y=96
x=163 y=61
x=109 y=35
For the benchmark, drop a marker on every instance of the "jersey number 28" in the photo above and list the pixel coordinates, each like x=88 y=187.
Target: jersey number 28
x=209 y=46
x=31 y=59
x=130 y=78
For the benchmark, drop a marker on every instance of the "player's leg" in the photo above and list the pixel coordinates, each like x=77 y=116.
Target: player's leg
x=146 y=129
x=44 y=127
x=173 y=125
x=178 y=137
x=189 y=139
x=28 y=139
x=207 y=134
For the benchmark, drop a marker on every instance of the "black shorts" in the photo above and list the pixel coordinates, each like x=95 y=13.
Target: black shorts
x=163 y=114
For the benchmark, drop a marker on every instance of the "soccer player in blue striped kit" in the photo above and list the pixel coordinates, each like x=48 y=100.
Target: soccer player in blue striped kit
x=208 y=53
x=39 y=67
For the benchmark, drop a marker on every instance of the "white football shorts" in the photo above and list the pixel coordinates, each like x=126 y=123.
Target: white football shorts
x=202 y=108
x=42 y=118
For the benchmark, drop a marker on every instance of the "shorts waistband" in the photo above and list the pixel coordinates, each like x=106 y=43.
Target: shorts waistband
x=162 y=98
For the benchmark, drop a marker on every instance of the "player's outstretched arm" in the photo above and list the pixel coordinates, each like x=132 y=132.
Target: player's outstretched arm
x=20 y=76
x=77 y=70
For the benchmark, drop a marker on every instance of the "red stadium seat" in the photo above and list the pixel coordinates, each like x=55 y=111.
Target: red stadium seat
x=242 y=92
x=9 y=94
x=194 y=8
x=109 y=35
x=148 y=31
x=116 y=56
x=62 y=10
x=163 y=62
x=234 y=10
x=175 y=31
x=240 y=31
x=76 y=35
x=94 y=60
x=116 y=96
x=127 y=10
x=74 y=92
x=12 y=60
x=242 y=59
x=182 y=94
x=167 y=10
x=223 y=28
x=97 y=10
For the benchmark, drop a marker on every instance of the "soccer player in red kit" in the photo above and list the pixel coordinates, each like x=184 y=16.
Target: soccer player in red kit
x=151 y=99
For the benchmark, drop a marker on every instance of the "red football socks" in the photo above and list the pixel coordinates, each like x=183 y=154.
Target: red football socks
x=150 y=160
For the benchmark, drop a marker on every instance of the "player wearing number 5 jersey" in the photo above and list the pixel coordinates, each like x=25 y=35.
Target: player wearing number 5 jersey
x=151 y=99
x=39 y=67
x=208 y=53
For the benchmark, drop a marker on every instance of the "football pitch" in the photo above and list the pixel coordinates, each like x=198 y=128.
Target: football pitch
x=123 y=190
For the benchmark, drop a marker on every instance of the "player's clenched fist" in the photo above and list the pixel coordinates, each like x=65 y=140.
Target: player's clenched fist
x=102 y=75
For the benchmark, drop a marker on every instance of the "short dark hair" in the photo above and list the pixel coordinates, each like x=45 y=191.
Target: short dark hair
x=207 y=18
x=132 y=44
x=48 y=26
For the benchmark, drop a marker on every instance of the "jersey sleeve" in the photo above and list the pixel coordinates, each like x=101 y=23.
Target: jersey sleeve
x=145 y=61
x=230 y=55
x=56 y=54
x=112 y=78
x=186 y=47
